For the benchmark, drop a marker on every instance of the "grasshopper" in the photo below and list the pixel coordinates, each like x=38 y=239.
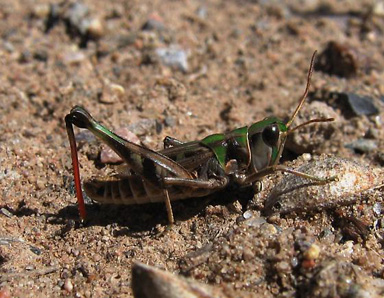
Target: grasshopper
x=181 y=170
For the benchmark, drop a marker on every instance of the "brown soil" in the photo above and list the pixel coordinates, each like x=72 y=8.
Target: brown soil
x=246 y=60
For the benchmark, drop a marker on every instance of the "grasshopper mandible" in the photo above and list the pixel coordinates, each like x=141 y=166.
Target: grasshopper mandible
x=184 y=170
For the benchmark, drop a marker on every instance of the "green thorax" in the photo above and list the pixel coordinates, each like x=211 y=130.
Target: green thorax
x=236 y=145
x=231 y=145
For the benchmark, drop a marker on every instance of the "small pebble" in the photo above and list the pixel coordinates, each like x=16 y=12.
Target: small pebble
x=41 y=10
x=118 y=89
x=274 y=219
x=377 y=208
x=360 y=105
x=169 y=121
x=308 y=264
x=35 y=250
x=202 y=12
x=68 y=286
x=40 y=184
x=248 y=255
x=29 y=267
x=247 y=214
x=60 y=283
x=268 y=229
x=6 y=212
x=173 y=57
x=143 y=127
x=378 y=9
x=95 y=28
x=283 y=267
x=255 y=221
x=74 y=58
x=307 y=156
x=111 y=93
x=8 y=46
x=362 y=145
x=294 y=262
x=154 y=23
x=76 y=13
x=312 y=253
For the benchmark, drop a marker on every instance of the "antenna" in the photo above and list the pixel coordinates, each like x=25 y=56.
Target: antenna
x=302 y=99
x=317 y=120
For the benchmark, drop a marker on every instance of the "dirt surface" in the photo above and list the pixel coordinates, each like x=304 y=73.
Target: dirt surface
x=236 y=63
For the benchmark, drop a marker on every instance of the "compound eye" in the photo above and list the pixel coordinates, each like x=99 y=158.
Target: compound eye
x=271 y=135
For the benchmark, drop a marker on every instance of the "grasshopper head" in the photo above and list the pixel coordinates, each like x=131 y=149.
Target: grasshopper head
x=266 y=142
x=267 y=137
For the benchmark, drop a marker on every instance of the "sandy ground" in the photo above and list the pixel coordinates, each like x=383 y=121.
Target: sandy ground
x=236 y=63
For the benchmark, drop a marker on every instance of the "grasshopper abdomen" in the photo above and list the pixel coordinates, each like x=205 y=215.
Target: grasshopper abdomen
x=134 y=189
